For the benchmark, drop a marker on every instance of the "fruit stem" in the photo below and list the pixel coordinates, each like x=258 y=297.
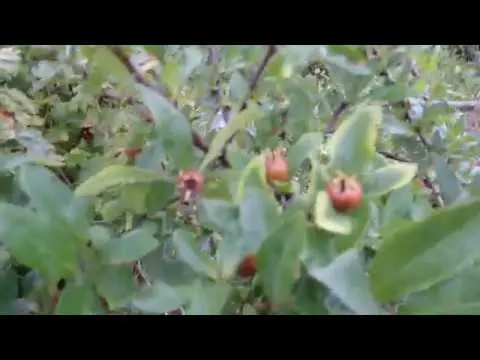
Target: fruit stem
x=342 y=185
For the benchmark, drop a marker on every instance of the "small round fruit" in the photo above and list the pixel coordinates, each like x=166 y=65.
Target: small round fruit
x=191 y=180
x=178 y=311
x=87 y=134
x=276 y=166
x=189 y=183
x=345 y=193
x=132 y=152
x=248 y=266
x=86 y=131
x=56 y=297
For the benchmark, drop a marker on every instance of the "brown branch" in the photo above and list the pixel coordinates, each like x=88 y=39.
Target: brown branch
x=198 y=141
x=137 y=75
x=333 y=122
x=393 y=156
x=252 y=84
x=464 y=106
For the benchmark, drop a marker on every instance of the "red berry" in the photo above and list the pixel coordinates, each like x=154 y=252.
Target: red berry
x=178 y=311
x=56 y=297
x=137 y=273
x=275 y=130
x=189 y=182
x=345 y=193
x=248 y=266
x=132 y=152
x=276 y=166
x=87 y=131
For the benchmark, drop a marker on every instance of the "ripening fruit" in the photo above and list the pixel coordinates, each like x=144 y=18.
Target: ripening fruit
x=56 y=297
x=189 y=183
x=248 y=267
x=132 y=152
x=86 y=131
x=345 y=193
x=87 y=134
x=276 y=166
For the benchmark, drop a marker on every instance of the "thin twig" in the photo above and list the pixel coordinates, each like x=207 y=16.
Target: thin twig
x=137 y=75
x=198 y=141
x=333 y=122
x=392 y=156
x=464 y=106
x=252 y=84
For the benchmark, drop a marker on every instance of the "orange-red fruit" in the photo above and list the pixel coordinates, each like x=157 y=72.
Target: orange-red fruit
x=178 y=311
x=345 y=193
x=190 y=180
x=137 y=273
x=132 y=152
x=189 y=183
x=276 y=166
x=248 y=266
x=56 y=297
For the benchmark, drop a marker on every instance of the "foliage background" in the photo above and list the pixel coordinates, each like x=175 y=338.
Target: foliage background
x=89 y=227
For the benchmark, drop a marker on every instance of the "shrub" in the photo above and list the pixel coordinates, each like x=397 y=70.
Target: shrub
x=193 y=180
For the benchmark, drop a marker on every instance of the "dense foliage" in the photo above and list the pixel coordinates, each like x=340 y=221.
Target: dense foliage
x=239 y=179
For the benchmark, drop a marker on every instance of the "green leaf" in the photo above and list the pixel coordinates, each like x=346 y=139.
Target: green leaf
x=388 y=178
x=162 y=265
x=258 y=217
x=239 y=121
x=51 y=196
x=319 y=248
x=172 y=74
x=38 y=242
x=420 y=255
x=190 y=253
x=99 y=235
x=8 y=290
x=104 y=64
x=450 y=186
x=218 y=215
x=347 y=279
x=300 y=109
x=360 y=220
x=130 y=246
x=112 y=209
x=193 y=58
x=147 y=198
x=44 y=189
x=113 y=176
x=238 y=87
x=76 y=299
x=327 y=218
x=354 y=53
x=208 y=299
x=158 y=299
x=173 y=130
x=302 y=150
x=278 y=260
x=134 y=197
x=398 y=205
x=352 y=146
x=393 y=93
x=253 y=174
x=309 y=297
x=157 y=50
x=457 y=296
x=116 y=284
